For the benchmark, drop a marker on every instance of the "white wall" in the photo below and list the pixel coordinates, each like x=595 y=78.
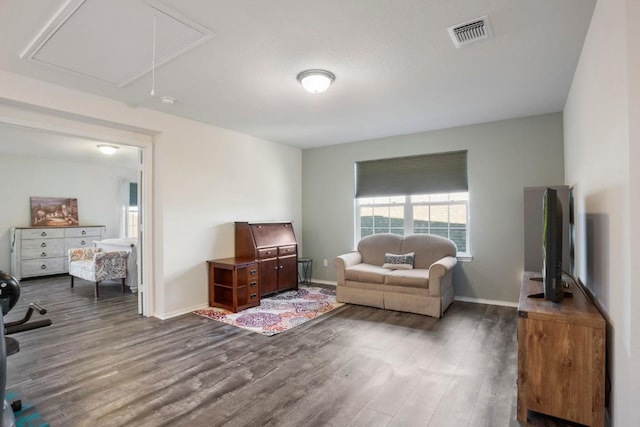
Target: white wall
x=503 y=158
x=204 y=178
x=96 y=188
x=209 y=181
x=601 y=161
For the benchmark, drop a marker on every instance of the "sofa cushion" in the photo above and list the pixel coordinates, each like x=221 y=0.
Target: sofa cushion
x=416 y=278
x=428 y=248
x=372 y=248
x=366 y=273
x=398 y=262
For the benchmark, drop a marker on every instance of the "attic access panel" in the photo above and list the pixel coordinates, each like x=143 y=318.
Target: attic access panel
x=112 y=41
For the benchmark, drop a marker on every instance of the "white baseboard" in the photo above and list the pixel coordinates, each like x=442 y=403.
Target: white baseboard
x=487 y=301
x=464 y=299
x=166 y=316
x=324 y=282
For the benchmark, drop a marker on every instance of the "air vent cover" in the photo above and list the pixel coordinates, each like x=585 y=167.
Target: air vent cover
x=470 y=31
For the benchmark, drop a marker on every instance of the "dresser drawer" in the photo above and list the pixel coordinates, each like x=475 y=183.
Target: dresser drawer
x=267 y=253
x=287 y=250
x=42 y=248
x=40 y=233
x=77 y=242
x=41 y=251
x=83 y=231
x=38 y=267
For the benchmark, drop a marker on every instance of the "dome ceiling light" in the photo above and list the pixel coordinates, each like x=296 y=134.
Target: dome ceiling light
x=108 y=149
x=316 y=81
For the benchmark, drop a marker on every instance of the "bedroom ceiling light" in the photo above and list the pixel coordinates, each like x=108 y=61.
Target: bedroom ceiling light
x=107 y=149
x=316 y=81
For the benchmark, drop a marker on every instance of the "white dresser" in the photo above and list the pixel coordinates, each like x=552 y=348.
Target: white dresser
x=40 y=251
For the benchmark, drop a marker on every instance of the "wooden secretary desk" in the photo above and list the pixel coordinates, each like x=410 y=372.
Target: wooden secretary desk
x=274 y=247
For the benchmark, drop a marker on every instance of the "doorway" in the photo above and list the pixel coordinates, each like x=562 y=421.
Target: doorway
x=52 y=137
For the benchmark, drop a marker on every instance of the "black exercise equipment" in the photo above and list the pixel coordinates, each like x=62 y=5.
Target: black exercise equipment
x=9 y=295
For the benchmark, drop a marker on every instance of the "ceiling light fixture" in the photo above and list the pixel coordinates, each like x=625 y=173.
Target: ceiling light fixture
x=108 y=149
x=168 y=100
x=316 y=81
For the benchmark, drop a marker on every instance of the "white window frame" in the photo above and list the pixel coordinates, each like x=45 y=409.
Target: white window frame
x=132 y=219
x=408 y=205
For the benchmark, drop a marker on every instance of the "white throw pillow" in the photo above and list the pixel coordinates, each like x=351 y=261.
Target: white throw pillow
x=399 y=262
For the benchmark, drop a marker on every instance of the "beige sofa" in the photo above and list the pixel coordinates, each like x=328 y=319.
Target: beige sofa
x=427 y=288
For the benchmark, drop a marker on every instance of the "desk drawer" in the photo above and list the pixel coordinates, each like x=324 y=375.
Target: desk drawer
x=248 y=297
x=253 y=287
x=287 y=250
x=252 y=272
x=267 y=253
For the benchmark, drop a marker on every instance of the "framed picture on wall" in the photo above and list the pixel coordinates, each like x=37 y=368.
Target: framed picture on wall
x=53 y=212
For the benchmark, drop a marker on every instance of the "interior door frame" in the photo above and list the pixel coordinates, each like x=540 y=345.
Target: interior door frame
x=144 y=142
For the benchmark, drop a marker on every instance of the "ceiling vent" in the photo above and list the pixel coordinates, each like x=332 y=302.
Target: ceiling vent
x=470 y=31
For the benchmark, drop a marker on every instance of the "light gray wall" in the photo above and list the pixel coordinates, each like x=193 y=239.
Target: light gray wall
x=503 y=158
x=96 y=188
x=602 y=146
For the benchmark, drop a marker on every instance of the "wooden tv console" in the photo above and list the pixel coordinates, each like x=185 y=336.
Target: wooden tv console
x=561 y=356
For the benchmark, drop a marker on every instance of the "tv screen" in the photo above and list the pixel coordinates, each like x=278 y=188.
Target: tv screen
x=552 y=246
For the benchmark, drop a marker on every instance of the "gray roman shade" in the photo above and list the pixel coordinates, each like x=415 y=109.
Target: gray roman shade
x=423 y=174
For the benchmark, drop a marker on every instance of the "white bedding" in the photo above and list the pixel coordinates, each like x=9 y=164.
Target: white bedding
x=130 y=245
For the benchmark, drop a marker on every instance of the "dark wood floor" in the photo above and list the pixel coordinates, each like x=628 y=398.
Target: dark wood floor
x=101 y=364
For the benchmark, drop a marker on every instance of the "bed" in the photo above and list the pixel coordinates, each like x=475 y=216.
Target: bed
x=129 y=245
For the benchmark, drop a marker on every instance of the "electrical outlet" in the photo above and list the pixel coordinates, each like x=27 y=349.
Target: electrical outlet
x=325 y=263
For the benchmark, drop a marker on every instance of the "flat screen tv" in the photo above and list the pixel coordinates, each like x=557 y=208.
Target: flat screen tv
x=552 y=246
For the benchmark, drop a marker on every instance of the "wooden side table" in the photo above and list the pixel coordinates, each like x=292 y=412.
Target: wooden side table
x=233 y=283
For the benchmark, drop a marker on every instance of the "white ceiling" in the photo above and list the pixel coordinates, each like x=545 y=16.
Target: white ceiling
x=233 y=64
x=18 y=141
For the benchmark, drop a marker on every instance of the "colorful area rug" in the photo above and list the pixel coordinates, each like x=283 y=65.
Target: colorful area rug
x=280 y=312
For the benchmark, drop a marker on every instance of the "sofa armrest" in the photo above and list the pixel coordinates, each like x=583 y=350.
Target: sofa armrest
x=440 y=275
x=111 y=265
x=103 y=256
x=342 y=262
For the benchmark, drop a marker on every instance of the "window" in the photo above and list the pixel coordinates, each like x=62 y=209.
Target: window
x=445 y=215
x=417 y=194
x=131 y=217
x=132 y=221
